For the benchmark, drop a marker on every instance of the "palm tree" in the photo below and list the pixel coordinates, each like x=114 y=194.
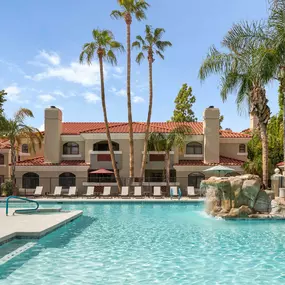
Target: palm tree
x=104 y=46
x=15 y=130
x=130 y=8
x=244 y=69
x=151 y=44
x=166 y=142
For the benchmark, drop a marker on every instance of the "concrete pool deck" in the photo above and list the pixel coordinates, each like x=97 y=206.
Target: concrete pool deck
x=108 y=200
x=32 y=226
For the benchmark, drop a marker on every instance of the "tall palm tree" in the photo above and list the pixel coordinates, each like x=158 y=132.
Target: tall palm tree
x=15 y=130
x=151 y=44
x=243 y=69
x=166 y=142
x=103 y=46
x=130 y=8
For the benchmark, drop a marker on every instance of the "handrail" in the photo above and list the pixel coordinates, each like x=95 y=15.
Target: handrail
x=21 y=198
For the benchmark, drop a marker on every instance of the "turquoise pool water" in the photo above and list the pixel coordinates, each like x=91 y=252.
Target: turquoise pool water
x=151 y=244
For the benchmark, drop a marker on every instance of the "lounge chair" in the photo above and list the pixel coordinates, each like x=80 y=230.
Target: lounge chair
x=71 y=192
x=125 y=192
x=57 y=192
x=89 y=192
x=106 y=192
x=157 y=192
x=191 y=192
x=138 y=192
x=39 y=191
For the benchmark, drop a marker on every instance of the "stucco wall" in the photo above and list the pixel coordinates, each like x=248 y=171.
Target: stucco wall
x=232 y=150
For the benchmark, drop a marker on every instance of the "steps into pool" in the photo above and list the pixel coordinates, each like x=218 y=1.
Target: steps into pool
x=12 y=252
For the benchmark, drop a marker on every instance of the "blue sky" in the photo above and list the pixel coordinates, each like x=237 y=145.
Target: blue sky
x=41 y=42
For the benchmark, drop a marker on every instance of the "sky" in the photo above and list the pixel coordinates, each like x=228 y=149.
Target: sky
x=41 y=42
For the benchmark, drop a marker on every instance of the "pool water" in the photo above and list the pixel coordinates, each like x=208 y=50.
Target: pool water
x=151 y=244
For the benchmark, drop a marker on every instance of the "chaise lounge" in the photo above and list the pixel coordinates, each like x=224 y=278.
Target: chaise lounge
x=106 y=192
x=125 y=192
x=157 y=192
x=57 y=192
x=138 y=192
x=89 y=192
x=191 y=192
x=71 y=192
x=39 y=191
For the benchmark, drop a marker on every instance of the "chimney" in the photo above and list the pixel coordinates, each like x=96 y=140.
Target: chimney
x=211 y=130
x=253 y=122
x=53 y=130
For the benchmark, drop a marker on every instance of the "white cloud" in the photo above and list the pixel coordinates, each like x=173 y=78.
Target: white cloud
x=77 y=73
x=51 y=57
x=42 y=127
x=138 y=99
x=119 y=92
x=46 y=98
x=13 y=94
x=119 y=69
x=91 y=97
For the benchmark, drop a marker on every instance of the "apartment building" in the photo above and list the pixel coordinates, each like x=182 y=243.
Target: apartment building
x=73 y=151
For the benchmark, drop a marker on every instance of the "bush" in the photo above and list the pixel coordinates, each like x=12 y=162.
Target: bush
x=7 y=188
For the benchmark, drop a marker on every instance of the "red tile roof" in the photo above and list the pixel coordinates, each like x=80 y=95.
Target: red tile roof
x=39 y=161
x=4 y=144
x=139 y=127
x=223 y=161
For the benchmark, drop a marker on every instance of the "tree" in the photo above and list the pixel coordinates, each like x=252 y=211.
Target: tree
x=151 y=44
x=244 y=69
x=2 y=101
x=184 y=102
x=166 y=142
x=14 y=130
x=130 y=8
x=221 y=120
x=103 y=46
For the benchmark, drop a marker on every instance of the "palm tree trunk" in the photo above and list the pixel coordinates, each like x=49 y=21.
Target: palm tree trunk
x=147 y=122
x=130 y=119
x=264 y=141
x=13 y=166
x=167 y=168
x=284 y=131
x=114 y=165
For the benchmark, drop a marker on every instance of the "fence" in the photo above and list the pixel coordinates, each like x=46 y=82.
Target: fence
x=27 y=184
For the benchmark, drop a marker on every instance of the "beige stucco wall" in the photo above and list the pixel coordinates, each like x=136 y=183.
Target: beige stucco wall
x=81 y=150
x=232 y=150
x=5 y=169
x=39 y=151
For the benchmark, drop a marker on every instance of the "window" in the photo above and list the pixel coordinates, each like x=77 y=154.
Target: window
x=2 y=159
x=194 y=148
x=67 y=179
x=195 y=178
x=242 y=148
x=70 y=148
x=103 y=146
x=156 y=157
x=100 y=178
x=30 y=180
x=25 y=148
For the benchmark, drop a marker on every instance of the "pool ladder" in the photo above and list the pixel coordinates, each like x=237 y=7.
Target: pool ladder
x=21 y=210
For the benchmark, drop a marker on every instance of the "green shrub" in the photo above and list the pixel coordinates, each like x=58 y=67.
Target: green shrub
x=7 y=188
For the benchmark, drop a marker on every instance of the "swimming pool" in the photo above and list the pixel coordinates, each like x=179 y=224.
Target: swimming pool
x=126 y=243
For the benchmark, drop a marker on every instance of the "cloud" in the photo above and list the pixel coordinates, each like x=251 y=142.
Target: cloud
x=12 y=67
x=91 y=97
x=77 y=73
x=121 y=92
x=13 y=94
x=46 y=98
x=138 y=99
x=51 y=57
x=42 y=127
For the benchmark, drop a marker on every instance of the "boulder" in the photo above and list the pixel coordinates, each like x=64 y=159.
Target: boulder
x=262 y=202
x=244 y=211
x=234 y=213
x=250 y=190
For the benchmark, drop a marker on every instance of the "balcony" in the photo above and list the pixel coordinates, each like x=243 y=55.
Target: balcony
x=102 y=159
x=156 y=160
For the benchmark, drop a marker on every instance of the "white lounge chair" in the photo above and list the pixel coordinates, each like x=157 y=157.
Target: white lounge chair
x=191 y=192
x=71 y=192
x=39 y=191
x=125 y=192
x=138 y=192
x=57 y=192
x=106 y=192
x=157 y=192
x=89 y=192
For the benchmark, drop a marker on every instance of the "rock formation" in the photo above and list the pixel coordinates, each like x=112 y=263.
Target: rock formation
x=239 y=196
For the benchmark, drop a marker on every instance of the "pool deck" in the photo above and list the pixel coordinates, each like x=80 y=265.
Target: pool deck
x=32 y=226
x=110 y=200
